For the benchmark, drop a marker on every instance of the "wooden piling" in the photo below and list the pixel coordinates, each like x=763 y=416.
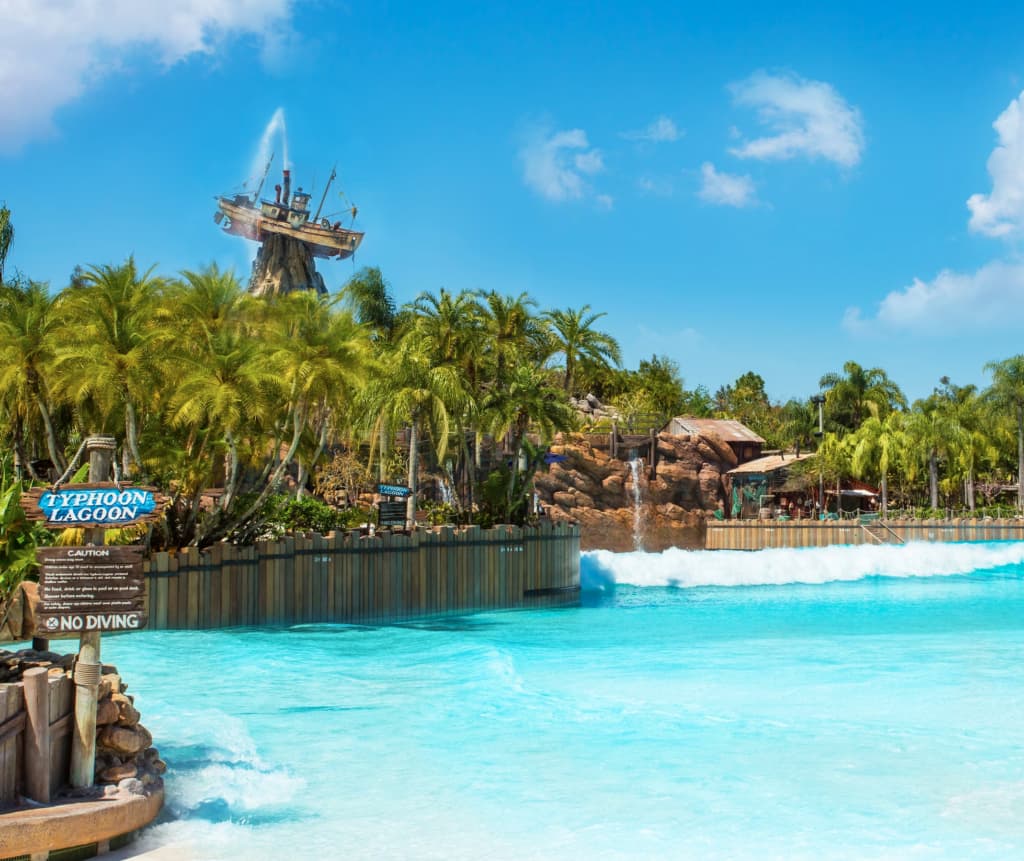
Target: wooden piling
x=37 y=734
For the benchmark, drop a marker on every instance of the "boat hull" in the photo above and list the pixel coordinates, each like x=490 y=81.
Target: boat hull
x=323 y=242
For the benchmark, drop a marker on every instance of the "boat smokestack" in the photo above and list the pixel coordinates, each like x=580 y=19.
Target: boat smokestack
x=287 y=196
x=277 y=194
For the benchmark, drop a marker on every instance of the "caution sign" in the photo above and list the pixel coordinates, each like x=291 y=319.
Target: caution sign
x=91 y=589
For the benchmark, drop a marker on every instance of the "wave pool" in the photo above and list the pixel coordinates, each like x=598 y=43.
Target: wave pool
x=791 y=704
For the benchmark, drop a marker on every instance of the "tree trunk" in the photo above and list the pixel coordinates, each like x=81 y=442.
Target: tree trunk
x=298 y=421
x=1020 y=456
x=470 y=474
x=56 y=455
x=321 y=444
x=410 y=510
x=933 y=479
x=231 y=473
x=383 y=441
x=885 y=496
x=21 y=462
x=132 y=433
x=969 y=490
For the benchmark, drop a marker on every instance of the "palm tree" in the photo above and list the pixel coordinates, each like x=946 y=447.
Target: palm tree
x=858 y=392
x=225 y=387
x=526 y=402
x=514 y=333
x=206 y=302
x=416 y=394
x=798 y=423
x=368 y=296
x=27 y=327
x=320 y=356
x=573 y=336
x=932 y=433
x=1007 y=393
x=110 y=354
x=450 y=331
x=877 y=445
x=6 y=237
x=833 y=459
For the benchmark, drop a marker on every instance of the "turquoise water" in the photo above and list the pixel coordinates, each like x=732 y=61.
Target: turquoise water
x=827 y=703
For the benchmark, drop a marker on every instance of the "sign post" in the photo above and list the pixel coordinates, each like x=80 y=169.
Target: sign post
x=88 y=668
x=391 y=511
x=94 y=588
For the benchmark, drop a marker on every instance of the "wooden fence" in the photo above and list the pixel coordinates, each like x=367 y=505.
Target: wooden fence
x=345 y=577
x=19 y=740
x=760 y=534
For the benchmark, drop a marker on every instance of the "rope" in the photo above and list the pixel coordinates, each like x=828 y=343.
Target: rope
x=117 y=470
x=72 y=466
x=104 y=442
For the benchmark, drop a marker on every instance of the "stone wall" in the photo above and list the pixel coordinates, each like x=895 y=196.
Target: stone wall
x=596 y=490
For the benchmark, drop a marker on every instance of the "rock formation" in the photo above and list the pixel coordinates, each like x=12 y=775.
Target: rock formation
x=284 y=265
x=596 y=490
x=590 y=409
x=124 y=747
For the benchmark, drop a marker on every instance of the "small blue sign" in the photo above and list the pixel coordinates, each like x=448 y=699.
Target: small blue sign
x=100 y=506
x=392 y=490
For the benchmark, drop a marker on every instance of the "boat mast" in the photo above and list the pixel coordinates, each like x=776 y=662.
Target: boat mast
x=334 y=173
x=263 y=179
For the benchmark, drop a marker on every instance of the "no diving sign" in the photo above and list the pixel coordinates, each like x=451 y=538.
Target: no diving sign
x=91 y=589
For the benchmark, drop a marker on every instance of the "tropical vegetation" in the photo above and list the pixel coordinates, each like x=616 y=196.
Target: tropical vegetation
x=240 y=407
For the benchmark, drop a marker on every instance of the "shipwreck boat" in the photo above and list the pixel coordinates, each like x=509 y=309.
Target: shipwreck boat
x=287 y=215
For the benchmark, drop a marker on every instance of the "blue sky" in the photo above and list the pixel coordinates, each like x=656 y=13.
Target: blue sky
x=757 y=186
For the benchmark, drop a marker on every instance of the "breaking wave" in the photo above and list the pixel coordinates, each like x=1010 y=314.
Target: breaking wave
x=602 y=569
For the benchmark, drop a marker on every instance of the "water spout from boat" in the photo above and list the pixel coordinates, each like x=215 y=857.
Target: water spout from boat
x=275 y=132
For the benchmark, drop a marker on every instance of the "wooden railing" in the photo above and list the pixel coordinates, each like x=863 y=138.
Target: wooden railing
x=35 y=735
x=346 y=577
x=761 y=534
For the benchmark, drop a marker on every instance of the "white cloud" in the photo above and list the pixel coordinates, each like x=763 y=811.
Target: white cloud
x=660 y=130
x=657 y=186
x=1001 y=213
x=554 y=169
x=55 y=50
x=726 y=189
x=992 y=297
x=590 y=162
x=806 y=118
x=605 y=202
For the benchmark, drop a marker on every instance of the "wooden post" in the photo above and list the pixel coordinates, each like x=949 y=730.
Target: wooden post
x=37 y=734
x=87 y=667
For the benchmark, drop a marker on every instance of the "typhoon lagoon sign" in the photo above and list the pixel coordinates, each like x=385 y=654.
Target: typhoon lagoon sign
x=93 y=505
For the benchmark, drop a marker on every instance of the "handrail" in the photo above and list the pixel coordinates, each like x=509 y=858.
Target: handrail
x=891 y=532
x=867 y=528
x=871 y=534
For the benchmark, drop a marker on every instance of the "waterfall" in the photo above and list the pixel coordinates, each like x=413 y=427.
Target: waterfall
x=447 y=493
x=635 y=466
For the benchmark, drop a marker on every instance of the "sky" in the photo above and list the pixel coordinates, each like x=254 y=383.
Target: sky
x=770 y=187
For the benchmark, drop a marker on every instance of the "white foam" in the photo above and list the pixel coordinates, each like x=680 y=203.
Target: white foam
x=687 y=568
